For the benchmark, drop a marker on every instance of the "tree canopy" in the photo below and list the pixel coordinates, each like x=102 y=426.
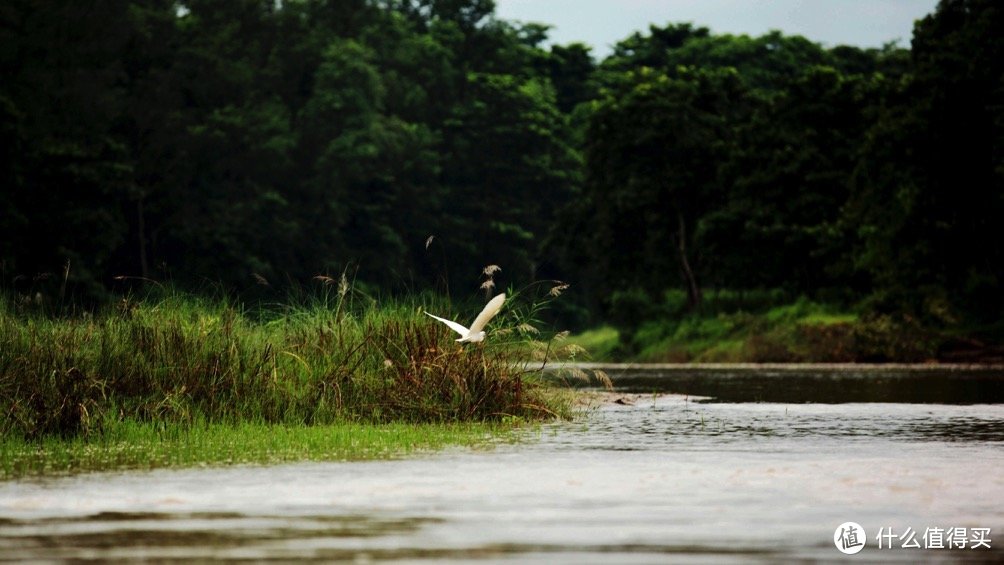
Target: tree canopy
x=412 y=142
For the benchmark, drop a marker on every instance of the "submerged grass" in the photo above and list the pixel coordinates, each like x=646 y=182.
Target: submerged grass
x=286 y=380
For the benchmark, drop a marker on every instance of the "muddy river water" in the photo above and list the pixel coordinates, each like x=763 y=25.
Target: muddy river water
x=718 y=467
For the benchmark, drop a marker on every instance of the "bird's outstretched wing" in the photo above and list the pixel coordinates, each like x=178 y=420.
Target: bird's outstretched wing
x=464 y=332
x=492 y=308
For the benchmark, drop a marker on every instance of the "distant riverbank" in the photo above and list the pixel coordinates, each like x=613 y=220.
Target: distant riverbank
x=800 y=332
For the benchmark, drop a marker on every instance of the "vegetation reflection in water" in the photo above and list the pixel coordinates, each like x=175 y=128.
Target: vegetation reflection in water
x=799 y=383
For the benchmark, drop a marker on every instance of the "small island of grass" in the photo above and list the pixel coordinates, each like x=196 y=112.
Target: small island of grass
x=186 y=380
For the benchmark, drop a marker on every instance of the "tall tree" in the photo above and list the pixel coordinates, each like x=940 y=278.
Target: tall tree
x=929 y=192
x=65 y=171
x=787 y=178
x=653 y=153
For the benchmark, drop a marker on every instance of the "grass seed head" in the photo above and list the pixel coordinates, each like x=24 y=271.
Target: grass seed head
x=558 y=289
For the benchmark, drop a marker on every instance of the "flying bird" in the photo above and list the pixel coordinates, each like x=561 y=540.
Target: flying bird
x=476 y=332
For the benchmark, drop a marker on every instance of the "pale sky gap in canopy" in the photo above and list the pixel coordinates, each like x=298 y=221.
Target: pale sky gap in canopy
x=601 y=23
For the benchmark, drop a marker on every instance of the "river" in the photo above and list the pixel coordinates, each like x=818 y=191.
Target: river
x=764 y=475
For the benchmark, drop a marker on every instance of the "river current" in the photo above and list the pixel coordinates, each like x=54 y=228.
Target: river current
x=656 y=477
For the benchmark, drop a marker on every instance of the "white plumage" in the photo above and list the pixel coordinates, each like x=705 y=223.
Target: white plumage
x=476 y=332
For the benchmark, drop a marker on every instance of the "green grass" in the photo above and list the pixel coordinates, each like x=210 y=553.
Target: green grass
x=338 y=358
x=828 y=319
x=131 y=445
x=727 y=329
x=601 y=343
x=134 y=445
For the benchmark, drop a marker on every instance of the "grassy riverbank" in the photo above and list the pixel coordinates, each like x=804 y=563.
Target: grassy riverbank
x=134 y=445
x=185 y=380
x=799 y=332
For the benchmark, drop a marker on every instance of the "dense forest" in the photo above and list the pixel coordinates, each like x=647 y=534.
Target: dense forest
x=251 y=145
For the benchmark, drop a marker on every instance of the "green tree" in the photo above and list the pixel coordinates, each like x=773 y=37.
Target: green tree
x=370 y=169
x=763 y=63
x=64 y=171
x=788 y=176
x=502 y=204
x=928 y=195
x=653 y=157
x=571 y=69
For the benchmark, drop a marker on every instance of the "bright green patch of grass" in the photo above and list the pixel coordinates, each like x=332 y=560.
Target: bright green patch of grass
x=135 y=445
x=599 y=343
x=723 y=351
x=829 y=319
x=732 y=329
x=802 y=310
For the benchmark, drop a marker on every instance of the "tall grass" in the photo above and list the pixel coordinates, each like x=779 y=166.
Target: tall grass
x=184 y=359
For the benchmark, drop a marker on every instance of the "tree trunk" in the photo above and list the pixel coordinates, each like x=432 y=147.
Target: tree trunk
x=693 y=290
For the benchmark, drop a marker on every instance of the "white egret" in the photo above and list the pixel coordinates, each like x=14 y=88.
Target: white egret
x=476 y=332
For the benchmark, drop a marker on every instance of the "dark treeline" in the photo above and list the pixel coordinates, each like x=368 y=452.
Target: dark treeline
x=258 y=141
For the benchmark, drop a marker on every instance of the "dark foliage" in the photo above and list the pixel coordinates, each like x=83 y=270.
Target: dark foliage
x=250 y=143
